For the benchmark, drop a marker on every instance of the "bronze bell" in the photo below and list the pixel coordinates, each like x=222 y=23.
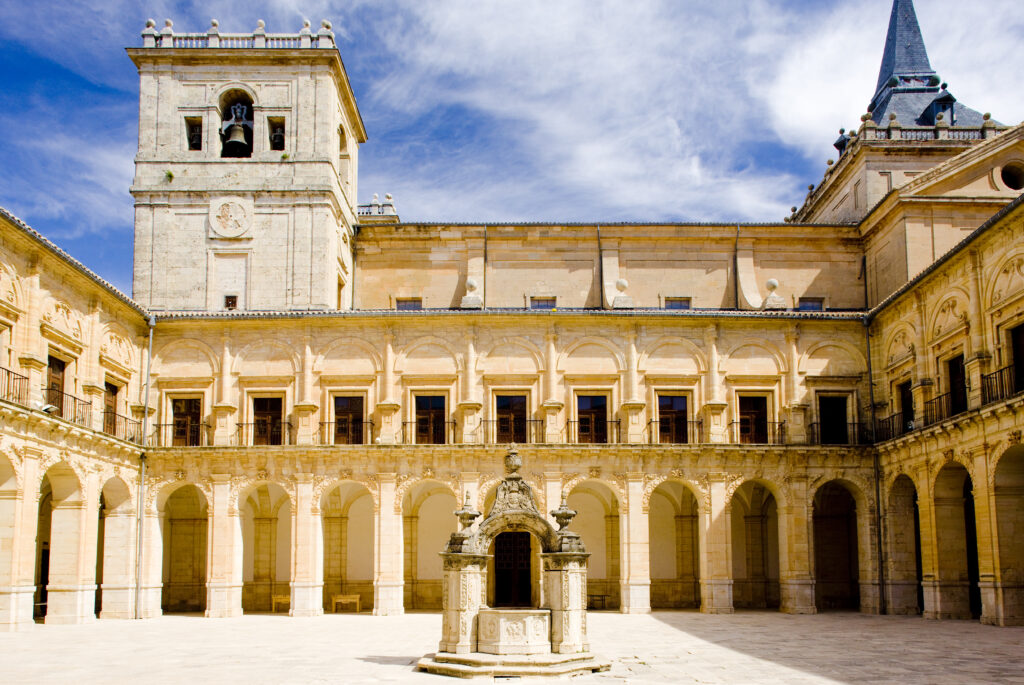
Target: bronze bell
x=277 y=139
x=236 y=145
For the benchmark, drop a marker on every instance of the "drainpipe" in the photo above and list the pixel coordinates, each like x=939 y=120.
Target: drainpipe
x=600 y=266
x=736 y=271
x=879 y=538
x=142 y=476
x=485 y=268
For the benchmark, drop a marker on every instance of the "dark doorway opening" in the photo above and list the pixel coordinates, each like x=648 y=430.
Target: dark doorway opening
x=973 y=576
x=267 y=414
x=832 y=420
x=753 y=420
x=957 y=385
x=511 y=410
x=430 y=420
x=673 y=419
x=592 y=413
x=906 y=407
x=1017 y=343
x=512 y=570
x=836 y=563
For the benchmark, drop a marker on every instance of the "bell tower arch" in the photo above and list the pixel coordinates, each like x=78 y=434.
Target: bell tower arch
x=246 y=171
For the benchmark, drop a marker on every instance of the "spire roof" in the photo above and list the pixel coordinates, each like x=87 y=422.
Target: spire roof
x=908 y=88
x=905 y=54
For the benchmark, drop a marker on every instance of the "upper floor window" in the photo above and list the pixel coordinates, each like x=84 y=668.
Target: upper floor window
x=542 y=303
x=236 y=125
x=811 y=304
x=407 y=304
x=677 y=303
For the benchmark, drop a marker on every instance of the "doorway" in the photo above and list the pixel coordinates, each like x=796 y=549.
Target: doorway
x=512 y=570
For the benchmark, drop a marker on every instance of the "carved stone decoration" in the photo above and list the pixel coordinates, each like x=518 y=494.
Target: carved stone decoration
x=948 y=318
x=230 y=217
x=1009 y=281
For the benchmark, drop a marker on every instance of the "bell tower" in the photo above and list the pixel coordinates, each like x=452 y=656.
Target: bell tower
x=246 y=172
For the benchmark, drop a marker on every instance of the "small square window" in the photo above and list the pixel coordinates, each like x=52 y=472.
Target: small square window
x=677 y=303
x=542 y=303
x=194 y=133
x=231 y=302
x=811 y=304
x=408 y=304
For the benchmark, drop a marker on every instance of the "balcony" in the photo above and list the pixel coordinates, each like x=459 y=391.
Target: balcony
x=181 y=434
x=68 y=407
x=944 y=407
x=675 y=432
x=1005 y=383
x=122 y=427
x=839 y=434
x=346 y=432
x=264 y=433
x=753 y=433
x=13 y=387
x=511 y=430
x=893 y=426
x=589 y=432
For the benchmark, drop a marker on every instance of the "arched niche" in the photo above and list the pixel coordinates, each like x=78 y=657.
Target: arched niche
x=348 y=521
x=674 y=544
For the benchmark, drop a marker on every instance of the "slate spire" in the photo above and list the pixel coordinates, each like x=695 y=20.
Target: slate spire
x=905 y=54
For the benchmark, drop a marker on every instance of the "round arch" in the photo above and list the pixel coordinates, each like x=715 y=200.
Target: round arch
x=598 y=521
x=348 y=524
x=1008 y=491
x=674 y=544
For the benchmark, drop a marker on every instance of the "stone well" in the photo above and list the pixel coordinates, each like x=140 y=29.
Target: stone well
x=549 y=637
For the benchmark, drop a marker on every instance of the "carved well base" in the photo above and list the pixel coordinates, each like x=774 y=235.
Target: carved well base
x=514 y=631
x=523 y=665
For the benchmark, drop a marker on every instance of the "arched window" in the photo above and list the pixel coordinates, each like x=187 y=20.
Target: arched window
x=236 y=124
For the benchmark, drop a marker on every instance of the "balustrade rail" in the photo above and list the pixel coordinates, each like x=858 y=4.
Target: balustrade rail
x=893 y=426
x=839 y=434
x=13 y=387
x=1002 y=384
x=181 y=435
x=122 y=427
x=514 y=430
x=944 y=406
x=68 y=407
x=678 y=433
x=346 y=433
x=593 y=432
x=259 y=39
x=768 y=433
x=262 y=433
x=439 y=433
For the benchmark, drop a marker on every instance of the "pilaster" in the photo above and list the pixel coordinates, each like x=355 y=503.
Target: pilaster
x=716 y=574
x=307 y=585
x=635 y=562
x=388 y=581
x=224 y=583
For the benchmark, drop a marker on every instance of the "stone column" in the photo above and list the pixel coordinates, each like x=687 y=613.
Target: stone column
x=985 y=525
x=635 y=561
x=716 y=574
x=553 y=403
x=715 y=427
x=71 y=592
x=388 y=566
x=224 y=574
x=977 y=360
x=19 y=509
x=152 y=564
x=118 y=580
x=462 y=593
x=307 y=587
x=565 y=585
x=796 y=579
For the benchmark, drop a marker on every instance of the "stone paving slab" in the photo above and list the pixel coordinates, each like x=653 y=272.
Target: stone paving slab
x=663 y=647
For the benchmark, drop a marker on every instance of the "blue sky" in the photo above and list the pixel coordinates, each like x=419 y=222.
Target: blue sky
x=488 y=110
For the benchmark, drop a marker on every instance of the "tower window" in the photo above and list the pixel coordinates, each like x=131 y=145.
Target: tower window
x=236 y=125
x=276 y=127
x=811 y=304
x=231 y=302
x=542 y=303
x=194 y=133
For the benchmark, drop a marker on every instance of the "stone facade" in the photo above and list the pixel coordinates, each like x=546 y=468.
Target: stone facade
x=309 y=443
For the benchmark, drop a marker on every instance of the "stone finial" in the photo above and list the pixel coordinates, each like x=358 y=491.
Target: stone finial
x=830 y=162
x=388 y=198
x=986 y=116
x=305 y=23
x=471 y=300
x=326 y=24
x=168 y=23
x=513 y=462
x=773 y=301
x=214 y=23
x=149 y=34
x=622 y=300
x=467 y=514
x=261 y=25
x=150 y=23
x=563 y=515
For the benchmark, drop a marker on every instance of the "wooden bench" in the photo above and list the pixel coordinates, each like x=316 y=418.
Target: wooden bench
x=345 y=599
x=597 y=601
x=279 y=599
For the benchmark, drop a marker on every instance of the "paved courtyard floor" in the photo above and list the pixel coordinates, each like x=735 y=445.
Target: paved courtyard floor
x=663 y=647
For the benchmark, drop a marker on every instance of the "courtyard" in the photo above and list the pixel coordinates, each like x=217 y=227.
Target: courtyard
x=663 y=647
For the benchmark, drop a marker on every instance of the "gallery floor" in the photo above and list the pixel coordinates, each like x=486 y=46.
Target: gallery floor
x=663 y=647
